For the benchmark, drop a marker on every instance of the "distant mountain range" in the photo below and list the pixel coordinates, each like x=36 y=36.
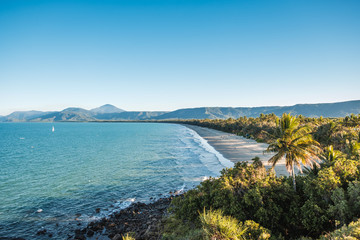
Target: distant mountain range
x=111 y=113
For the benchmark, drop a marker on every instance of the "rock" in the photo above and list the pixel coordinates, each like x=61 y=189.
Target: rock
x=117 y=237
x=41 y=232
x=140 y=218
x=90 y=233
x=148 y=231
x=120 y=228
x=79 y=235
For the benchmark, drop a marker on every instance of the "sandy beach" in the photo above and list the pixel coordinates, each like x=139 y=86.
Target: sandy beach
x=238 y=149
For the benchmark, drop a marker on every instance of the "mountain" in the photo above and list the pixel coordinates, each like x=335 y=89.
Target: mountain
x=339 y=109
x=111 y=113
x=68 y=114
x=22 y=116
x=201 y=113
x=107 y=108
x=128 y=116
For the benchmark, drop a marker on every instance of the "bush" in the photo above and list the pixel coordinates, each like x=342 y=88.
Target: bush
x=255 y=231
x=350 y=232
x=217 y=226
x=127 y=237
x=176 y=229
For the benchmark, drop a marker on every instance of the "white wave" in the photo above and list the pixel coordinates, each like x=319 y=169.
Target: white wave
x=116 y=207
x=197 y=179
x=181 y=190
x=205 y=178
x=203 y=143
x=123 y=204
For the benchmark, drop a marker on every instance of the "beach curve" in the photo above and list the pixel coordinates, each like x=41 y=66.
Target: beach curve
x=236 y=148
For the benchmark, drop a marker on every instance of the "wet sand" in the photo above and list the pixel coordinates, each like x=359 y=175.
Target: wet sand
x=238 y=149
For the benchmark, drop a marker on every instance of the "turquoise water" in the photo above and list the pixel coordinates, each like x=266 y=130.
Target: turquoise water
x=47 y=179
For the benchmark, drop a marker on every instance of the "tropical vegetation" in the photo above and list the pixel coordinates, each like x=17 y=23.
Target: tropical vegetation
x=249 y=201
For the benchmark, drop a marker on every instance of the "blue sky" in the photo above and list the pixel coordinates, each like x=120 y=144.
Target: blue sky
x=165 y=55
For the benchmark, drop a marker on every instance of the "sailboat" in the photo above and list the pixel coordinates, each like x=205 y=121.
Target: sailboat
x=53 y=129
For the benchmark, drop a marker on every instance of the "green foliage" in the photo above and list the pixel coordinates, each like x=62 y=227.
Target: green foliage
x=350 y=232
x=313 y=217
x=327 y=131
x=353 y=149
x=245 y=192
x=241 y=192
x=255 y=231
x=218 y=226
x=257 y=162
x=176 y=229
x=293 y=143
x=320 y=188
x=329 y=155
x=347 y=169
x=339 y=210
x=353 y=192
x=327 y=197
x=127 y=237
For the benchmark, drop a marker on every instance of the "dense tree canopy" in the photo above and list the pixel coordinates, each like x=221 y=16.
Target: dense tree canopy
x=327 y=197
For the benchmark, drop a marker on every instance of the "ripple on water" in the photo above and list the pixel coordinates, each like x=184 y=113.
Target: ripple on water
x=81 y=167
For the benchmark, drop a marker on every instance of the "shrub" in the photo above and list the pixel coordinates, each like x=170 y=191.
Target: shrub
x=217 y=226
x=127 y=237
x=350 y=232
x=176 y=229
x=255 y=231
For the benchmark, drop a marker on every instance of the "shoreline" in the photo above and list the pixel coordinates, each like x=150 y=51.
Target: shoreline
x=144 y=219
x=236 y=148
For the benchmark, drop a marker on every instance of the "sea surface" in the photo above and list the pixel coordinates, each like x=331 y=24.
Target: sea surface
x=55 y=180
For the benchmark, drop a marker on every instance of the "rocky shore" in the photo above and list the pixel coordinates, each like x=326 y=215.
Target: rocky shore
x=142 y=221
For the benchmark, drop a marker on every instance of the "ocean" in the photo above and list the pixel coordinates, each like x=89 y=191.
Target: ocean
x=59 y=180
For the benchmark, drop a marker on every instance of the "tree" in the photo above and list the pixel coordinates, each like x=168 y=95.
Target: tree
x=329 y=156
x=219 y=227
x=295 y=144
x=353 y=149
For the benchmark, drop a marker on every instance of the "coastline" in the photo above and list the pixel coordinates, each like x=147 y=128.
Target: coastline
x=236 y=148
x=144 y=220
x=141 y=220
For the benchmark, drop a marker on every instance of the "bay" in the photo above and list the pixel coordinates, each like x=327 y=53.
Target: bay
x=55 y=180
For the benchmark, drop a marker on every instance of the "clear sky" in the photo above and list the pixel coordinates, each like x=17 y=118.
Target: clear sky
x=170 y=54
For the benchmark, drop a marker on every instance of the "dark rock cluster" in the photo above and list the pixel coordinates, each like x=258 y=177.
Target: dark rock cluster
x=140 y=220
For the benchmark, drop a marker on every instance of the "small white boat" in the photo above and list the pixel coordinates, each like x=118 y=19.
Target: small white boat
x=53 y=129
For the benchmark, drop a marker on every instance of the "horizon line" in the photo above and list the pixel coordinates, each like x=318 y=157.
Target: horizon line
x=3 y=115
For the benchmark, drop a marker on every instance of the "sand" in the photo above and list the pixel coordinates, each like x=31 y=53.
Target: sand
x=238 y=149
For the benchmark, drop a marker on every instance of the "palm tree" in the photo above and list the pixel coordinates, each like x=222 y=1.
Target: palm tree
x=353 y=149
x=329 y=156
x=293 y=143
